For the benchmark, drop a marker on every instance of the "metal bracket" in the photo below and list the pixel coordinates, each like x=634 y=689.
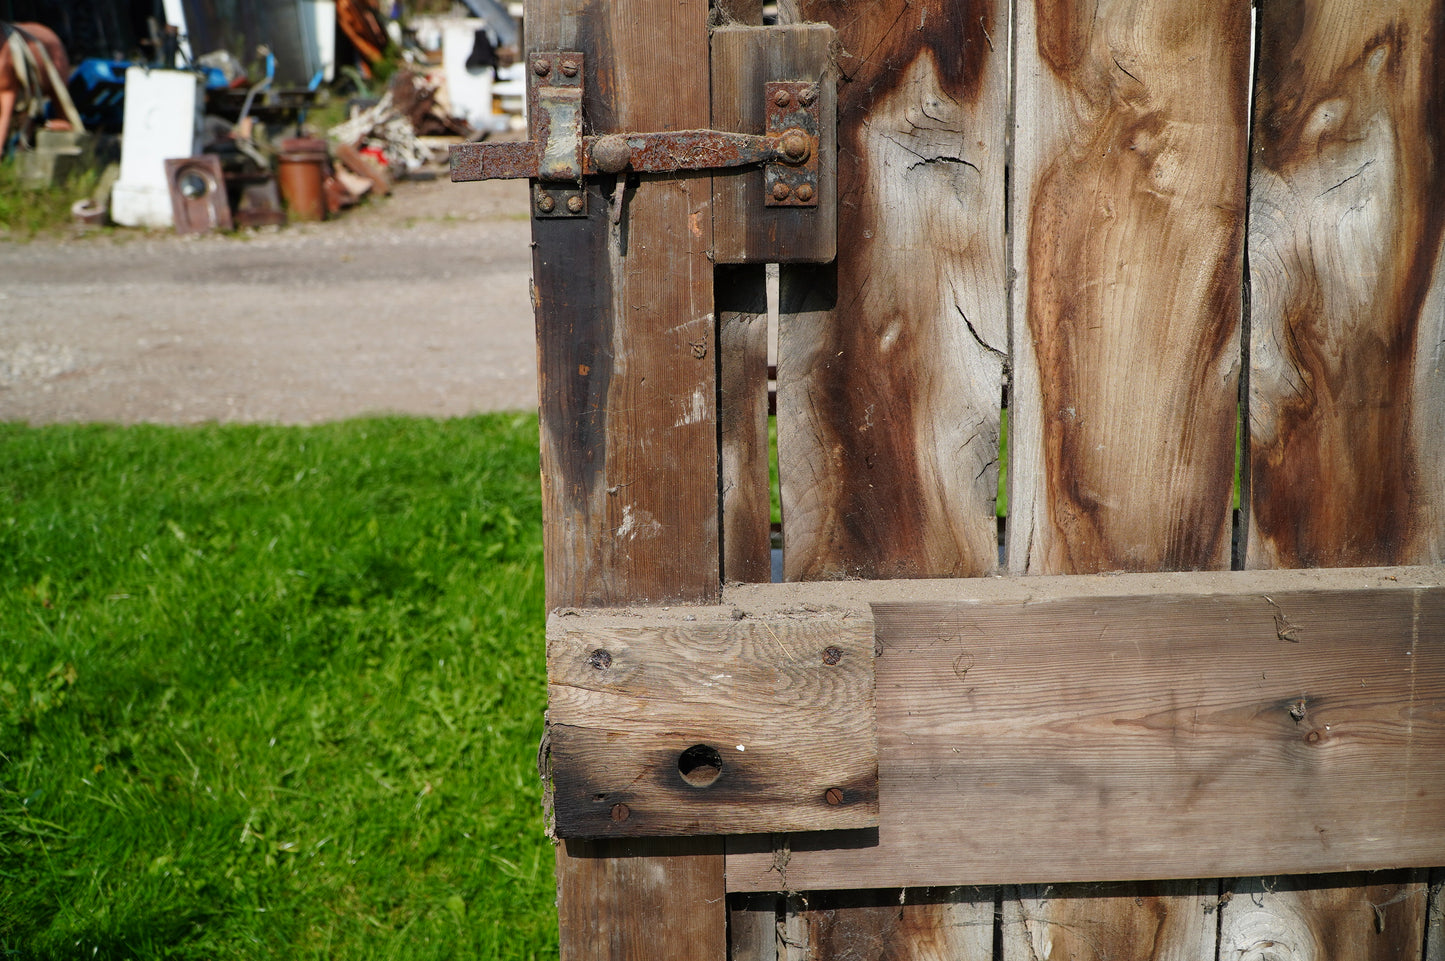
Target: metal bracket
x=558 y=156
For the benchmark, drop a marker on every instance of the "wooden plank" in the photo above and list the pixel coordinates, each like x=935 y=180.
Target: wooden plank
x=641 y=899
x=1346 y=401
x=661 y=725
x=629 y=450
x=1144 y=737
x=745 y=229
x=742 y=312
x=1128 y=215
x=1325 y=916
x=625 y=328
x=753 y=927
x=1435 y=920
x=889 y=402
x=1174 y=919
x=926 y=924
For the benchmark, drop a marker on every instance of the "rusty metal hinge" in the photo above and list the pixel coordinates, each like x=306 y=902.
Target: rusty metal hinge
x=559 y=155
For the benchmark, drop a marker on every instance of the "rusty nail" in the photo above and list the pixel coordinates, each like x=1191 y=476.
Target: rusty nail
x=833 y=796
x=807 y=96
x=569 y=67
x=781 y=191
x=831 y=654
x=805 y=192
x=621 y=812
x=782 y=98
x=545 y=203
x=541 y=66
x=600 y=659
x=574 y=203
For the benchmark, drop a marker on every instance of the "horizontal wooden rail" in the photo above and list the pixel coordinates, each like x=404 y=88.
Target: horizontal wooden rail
x=1135 y=727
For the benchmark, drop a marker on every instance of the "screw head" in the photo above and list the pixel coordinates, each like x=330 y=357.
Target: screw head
x=575 y=203
x=833 y=796
x=807 y=96
x=621 y=812
x=546 y=204
x=569 y=68
x=805 y=192
x=783 y=99
x=541 y=66
x=781 y=191
x=831 y=654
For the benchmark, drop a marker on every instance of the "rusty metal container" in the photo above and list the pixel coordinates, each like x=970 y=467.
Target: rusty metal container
x=302 y=174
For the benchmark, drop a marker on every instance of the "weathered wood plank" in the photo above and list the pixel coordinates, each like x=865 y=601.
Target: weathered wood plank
x=753 y=927
x=1435 y=920
x=745 y=230
x=924 y=924
x=665 y=726
x=1325 y=917
x=1128 y=217
x=890 y=401
x=1169 y=919
x=1346 y=226
x=641 y=899
x=742 y=311
x=1145 y=737
x=629 y=449
x=625 y=328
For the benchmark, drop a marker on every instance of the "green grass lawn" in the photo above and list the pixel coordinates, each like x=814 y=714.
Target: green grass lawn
x=272 y=692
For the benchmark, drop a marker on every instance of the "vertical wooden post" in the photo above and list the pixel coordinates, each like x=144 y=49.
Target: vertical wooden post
x=1127 y=239
x=626 y=348
x=1346 y=400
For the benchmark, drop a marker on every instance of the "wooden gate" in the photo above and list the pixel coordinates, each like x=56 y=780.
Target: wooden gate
x=1136 y=236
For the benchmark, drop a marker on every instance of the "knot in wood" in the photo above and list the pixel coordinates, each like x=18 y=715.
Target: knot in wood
x=832 y=655
x=599 y=659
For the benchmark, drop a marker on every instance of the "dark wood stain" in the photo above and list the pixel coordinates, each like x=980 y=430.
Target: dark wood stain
x=1340 y=484
x=1103 y=511
x=882 y=514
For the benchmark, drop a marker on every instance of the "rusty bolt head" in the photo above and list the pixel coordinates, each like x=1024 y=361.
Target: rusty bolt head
x=541 y=66
x=781 y=191
x=545 y=203
x=611 y=154
x=805 y=192
x=621 y=812
x=782 y=98
x=807 y=96
x=794 y=146
x=569 y=68
x=832 y=655
x=833 y=796
x=575 y=203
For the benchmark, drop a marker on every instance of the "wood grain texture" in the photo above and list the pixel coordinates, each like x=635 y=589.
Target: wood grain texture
x=1144 y=737
x=629 y=447
x=890 y=401
x=1325 y=917
x=745 y=229
x=925 y=924
x=785 y=705
x=1162 y=920
x=641 y=899
x=753 y=927
x=625 y=328
x=1346 y=225
x=1130 y=159
x=742 y=318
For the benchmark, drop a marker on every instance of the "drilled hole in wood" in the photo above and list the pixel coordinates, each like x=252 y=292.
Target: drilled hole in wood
x=599 y=659
x=700 y=765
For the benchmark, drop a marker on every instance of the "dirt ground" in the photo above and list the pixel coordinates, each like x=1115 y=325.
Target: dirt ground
x=417 y=303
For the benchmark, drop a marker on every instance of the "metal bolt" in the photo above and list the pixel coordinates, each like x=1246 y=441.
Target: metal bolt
x=620 y=813
x=569 y=67
x=545 y=203
x=782 y=98
x=541 y=66
x=805 y=192
x=794 y=146
x=832 y=655
x=781 y=191
x=833 y=796
x=575 y=204
x=807 y=96
x=611 y=153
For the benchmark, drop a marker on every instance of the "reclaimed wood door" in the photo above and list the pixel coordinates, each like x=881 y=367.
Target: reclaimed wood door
x=1179 y=262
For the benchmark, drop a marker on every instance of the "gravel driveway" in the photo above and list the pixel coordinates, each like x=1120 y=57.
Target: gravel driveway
x=415 y=304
